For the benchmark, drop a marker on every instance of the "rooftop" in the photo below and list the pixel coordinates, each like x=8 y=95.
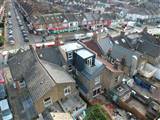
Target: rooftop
x=73 y=103
x=91 y=72
x=40 y=76
x=58 y=74
x=71 y=46
x=109 y=66
x=138 y=106
x=50 y=54
x=121 y=90
x=84 y=53
x=143 y=42
x=93 y=46
x=4 y=105
x=61 y=116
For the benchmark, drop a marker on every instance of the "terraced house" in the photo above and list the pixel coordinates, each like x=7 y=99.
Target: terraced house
x=47 y=83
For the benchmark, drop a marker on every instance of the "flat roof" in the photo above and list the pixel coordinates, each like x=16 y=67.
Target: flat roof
x=4 y=105
x=84 y=53
x=71 y=46
x=72 y=103
x=137 y=105
x=61 y=116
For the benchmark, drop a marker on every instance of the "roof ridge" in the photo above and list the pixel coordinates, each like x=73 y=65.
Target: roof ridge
x=39 y=61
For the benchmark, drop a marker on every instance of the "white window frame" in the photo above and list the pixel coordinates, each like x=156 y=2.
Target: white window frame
x=70 y=55
x=96 y=89
x=89 y=61
x=69 y=68
x=48 y=102
x=97 y=80
x=67 y=91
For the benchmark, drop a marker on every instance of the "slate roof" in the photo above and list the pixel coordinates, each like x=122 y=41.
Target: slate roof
x=40 y=76
x=51 y=54
x=94 y=71
x=38 y=81
x=118 y=52
x=71 y=17
x=96 y=16
x=141 y=42
x=108 y=16
x=80 y=17
x=25 y=64
x=105 y=44
x=89 y=16
x=15 y=63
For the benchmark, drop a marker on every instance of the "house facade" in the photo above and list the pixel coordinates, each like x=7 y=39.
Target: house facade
x=47 y=83
x=87 y=69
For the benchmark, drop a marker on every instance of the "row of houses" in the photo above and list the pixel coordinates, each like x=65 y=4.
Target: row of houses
x=57 y=23
x=92 y=68
x=140 y=65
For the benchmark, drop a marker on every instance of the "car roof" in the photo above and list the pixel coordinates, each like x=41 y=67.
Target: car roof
x=4 y=105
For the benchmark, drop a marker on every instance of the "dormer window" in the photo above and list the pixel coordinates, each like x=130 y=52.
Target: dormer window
x=89 y=61
x=67 y=91
x=70 y=55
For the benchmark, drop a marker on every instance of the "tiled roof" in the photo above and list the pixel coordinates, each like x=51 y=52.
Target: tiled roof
x=93 y=46
x=105 y=44
x=51 y=54
x=109 y=66
x=141 y=42
x=25 y=65
x=40 y=76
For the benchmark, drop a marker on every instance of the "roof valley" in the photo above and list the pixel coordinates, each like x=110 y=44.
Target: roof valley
x=39 y=61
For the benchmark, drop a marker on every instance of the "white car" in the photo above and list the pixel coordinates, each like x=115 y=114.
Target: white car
x=5 y=110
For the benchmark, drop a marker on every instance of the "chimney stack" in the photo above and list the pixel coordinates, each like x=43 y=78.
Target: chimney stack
x=122 y=33
x=145 y=30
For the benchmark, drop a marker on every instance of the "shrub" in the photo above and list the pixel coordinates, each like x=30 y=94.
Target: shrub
x=1 y=41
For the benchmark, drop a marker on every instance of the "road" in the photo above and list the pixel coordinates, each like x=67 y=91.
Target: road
x=19 y=40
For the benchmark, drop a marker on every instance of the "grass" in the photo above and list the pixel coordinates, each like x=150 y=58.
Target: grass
x=96 y=112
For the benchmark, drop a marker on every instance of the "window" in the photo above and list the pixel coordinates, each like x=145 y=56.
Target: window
x=6 y=112
x=70 y=55
x=67 y=91
x=89 y=62
x=47 y=102
x=69 y=68
x=97 y=80
x=96 y=91
x=117 y=78
x=71 y=24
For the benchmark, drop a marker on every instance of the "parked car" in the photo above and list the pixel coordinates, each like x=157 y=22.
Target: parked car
x=22 y=27
x=25 y=34
x=10 y=26
x=26 y=39
x=9 y=22
x=11 y=40
x=10 y=32
x=5 y=110
x=3 y=94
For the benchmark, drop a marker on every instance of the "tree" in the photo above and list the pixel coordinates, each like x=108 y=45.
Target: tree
x=1 y=41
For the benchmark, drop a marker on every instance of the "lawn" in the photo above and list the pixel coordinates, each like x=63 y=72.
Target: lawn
x=96 y=112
